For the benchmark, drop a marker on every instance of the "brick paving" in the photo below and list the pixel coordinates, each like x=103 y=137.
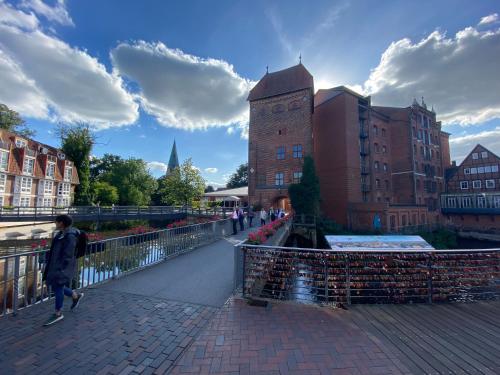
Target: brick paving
x=110 y=333
x=286 y=339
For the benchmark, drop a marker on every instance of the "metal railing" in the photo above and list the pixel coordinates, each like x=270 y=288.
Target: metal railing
x=101 y=213
x=475 y=202
x=399 y=276
x=21 y=274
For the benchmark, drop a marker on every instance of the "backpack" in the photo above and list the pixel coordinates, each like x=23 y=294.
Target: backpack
x=81 y=244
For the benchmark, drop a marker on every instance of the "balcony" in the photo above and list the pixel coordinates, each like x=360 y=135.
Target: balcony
x=471 y=203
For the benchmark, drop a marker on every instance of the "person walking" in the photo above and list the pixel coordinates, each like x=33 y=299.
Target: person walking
x=263 y=216
x=234 y=219
x=250 y=216
x=60 y=266
x=272 y=215
x=241 y=219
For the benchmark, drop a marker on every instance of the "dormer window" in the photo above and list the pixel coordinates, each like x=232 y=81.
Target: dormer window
x=20 y=143
x=28 y=165
x=68 y=173
x=4 y=160
x=51 y=169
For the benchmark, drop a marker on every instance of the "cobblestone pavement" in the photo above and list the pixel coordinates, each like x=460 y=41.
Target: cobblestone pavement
x=110 y=333
x=285 y=339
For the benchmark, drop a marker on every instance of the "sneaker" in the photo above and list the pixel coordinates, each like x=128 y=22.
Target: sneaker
x=54 y=319
x=76 y=301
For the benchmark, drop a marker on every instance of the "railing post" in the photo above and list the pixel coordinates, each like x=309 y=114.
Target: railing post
x=429 y=278
x=348 y=279
x=15 y=290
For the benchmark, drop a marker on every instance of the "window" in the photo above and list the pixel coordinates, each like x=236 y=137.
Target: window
x=377 y=183
x=481 y=201
x=464 y=185
x=496 y=201
x=383 y=132
x=431 y=153
x=375 y=129
x=377 y=149
x=29 y=165
x=473 y=171
x=413 y=132
x=466 y=170
x=451 y=202
x=46 y=202
x=420 y=134
x=384 y=149
x=403 y=220
x=385 y=167
x=48 y=187
x=494 y=168
x=279 y=179
x=1 y=201
x=480 y=169
x=484 y=155
x=4 y=160
x=476 y=184
x=26 y=184
x=490 y=184
x=51 y=168
x=296 y=177
x=64 y=189
x=422 y=151
x=3 y=181
x=297 y=151
x=475 y=155
x=261 y=179
x=20 y=143
x=68 y=171
x=280 y=153
x=387 y=185
x=376 y=165
x=487 y=169
x=466 y=202
x=24 y=202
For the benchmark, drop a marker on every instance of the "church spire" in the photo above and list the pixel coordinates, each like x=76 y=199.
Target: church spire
x=173 y=162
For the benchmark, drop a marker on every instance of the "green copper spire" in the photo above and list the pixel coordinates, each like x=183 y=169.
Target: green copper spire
x=173 y=162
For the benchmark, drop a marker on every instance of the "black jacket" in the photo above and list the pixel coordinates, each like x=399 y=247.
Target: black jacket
x=60 y=261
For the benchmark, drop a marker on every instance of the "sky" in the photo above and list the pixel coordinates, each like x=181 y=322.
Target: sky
x=143 y=73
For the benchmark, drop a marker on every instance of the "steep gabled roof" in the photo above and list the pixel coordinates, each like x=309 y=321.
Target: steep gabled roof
x=477 y=148
x=281 y=82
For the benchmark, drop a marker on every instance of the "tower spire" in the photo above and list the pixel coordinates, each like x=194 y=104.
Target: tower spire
x=173 y=162
x=300 y=58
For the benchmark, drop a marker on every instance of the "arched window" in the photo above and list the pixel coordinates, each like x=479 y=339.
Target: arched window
x=375 y=145
x=376 y=165
x=375 y=129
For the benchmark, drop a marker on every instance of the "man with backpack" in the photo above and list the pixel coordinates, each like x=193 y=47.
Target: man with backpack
x=61 y=263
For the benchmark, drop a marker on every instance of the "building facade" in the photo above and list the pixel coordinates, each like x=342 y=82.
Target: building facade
x=378 y=167
x=33 y=174
x=280 y=134
x=472 y=198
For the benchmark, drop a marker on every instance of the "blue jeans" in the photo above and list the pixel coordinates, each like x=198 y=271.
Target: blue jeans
x=60 y=291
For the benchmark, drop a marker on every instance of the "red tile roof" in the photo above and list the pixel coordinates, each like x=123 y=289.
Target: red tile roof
x=281 y=82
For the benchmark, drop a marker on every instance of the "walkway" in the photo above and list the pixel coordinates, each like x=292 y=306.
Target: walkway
x=172 y=317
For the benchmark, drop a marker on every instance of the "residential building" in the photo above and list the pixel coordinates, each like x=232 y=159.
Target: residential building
x=472 y=198
x=378 y=167
x=34 y=174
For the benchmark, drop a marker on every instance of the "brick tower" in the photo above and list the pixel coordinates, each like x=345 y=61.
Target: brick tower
x=280 y=134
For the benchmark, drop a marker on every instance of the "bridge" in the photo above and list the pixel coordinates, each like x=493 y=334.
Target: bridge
x=163 y=302
x=96 y=213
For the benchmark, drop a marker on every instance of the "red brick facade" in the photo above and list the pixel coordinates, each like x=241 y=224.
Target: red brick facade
x=371 y=161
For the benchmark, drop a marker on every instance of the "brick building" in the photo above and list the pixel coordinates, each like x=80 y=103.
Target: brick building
x=34 y=174
x=376 y=165
x=280 y=134
x=472 y=198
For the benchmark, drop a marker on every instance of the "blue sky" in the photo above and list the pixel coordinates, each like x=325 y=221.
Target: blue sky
x=144 y=73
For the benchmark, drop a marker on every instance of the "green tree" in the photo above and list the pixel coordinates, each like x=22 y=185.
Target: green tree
x=183 y=186
x=209 y=189
x=305 y=196
x=104 y=193
x=77 y=142
x=11 y=121
x=239 y=178
x=132 y=180
x=100 y=166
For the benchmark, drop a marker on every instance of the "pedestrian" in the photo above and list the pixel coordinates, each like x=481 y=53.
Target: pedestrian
x=241 y=219
x=60 y=266
x=250 y=216
x=272 y=215
x=263 y=216
x=234 y=219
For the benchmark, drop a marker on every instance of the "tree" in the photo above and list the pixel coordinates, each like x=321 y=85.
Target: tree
x=77 y=142
x=239 y=178
x=11 y=121
x=305 y=196
x=100 y=166
x=183 y=186
x=104 y=194
x=132 y=180
x=209 y=189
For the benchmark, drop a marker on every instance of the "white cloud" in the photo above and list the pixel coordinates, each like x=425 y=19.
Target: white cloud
x=10 y=16
x=182 y=90
x=459 y=75
x=211 y=170
x=230 y=130
x=461 y=146
x=44 y=77
x=157 y=166
x=57 y=13
x=492 y=18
